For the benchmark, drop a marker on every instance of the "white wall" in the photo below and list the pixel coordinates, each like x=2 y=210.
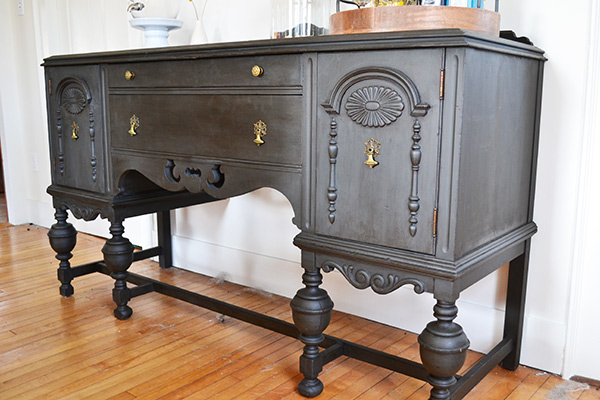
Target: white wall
x=248 y=239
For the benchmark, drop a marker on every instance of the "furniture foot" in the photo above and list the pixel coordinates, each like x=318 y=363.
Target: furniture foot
x=443 y=348
x=118 y=256
x=63 y=237
x=311 y=310
x=515 y=306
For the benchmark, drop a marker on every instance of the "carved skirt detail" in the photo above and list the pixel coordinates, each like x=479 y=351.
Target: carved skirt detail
x=381 y=284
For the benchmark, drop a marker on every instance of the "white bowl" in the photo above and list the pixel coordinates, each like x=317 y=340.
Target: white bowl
x=157 y=9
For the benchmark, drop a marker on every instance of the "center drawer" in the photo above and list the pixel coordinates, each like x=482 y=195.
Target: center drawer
x=220 y=126
x=248 y=71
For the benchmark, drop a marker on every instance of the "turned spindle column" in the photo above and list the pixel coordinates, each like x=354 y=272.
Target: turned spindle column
x=63 y=237
x=311 y=309
x=443 y=348
x=118 y=256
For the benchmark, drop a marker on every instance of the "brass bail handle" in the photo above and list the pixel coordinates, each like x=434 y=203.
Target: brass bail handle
x=134 y=123
x=373 y=149
x=75 y=131
x=260 y=130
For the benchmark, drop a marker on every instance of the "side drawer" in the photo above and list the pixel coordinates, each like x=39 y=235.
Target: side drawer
x=277 y=71
x=207 y=125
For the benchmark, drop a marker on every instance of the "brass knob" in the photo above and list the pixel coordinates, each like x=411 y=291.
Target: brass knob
x=129 y=75
x=134 y=123
x=260 y=130
x=373 y=149
x=257 y=71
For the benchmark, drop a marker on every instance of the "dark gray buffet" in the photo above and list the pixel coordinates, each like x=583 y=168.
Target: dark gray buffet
x=408 y=158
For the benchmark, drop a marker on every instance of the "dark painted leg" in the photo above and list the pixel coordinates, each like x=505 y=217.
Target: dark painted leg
x=63 y=238
x=118 y=256
x=165 y=260
x=311 y=309
x=515 y=306
x=443 y=347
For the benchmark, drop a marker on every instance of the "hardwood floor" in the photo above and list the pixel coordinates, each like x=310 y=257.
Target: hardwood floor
x=73 y=348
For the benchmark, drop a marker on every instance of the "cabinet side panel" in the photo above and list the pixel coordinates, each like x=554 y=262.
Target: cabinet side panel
x=496 y=147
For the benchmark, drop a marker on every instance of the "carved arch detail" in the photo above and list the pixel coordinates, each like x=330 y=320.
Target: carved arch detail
x=417 y=107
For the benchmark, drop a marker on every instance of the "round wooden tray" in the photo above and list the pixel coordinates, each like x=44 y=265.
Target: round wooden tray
x=409 y=18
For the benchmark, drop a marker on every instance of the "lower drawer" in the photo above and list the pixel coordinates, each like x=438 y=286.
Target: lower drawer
x=216 y=126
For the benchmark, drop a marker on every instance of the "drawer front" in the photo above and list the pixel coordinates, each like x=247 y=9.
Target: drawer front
x=274 y=71
x=76 y=128
x=213 y=126
x=378 y=144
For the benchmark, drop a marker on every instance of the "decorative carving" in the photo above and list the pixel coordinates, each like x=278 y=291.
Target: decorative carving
x=415 y=159
x=214 y=177
x=374 y=106
x=362 y=279
x=395 y=77
x=87 y=214
x=169 y=172
x=82 y=212
x=74 y=100
x=193 y=173
x=94 y=159
x=217 y=179
x=61 y=152
x=333 y=151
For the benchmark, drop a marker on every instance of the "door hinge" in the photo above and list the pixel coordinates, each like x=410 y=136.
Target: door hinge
x=49 y=87
x=435 y=214
x=442 y=78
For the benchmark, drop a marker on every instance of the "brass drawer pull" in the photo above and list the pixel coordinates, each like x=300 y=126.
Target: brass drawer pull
x=134 y=123
x=260 y=130
x=257 y=71
x=75 y=129
x=129 y=75
x=373 y=149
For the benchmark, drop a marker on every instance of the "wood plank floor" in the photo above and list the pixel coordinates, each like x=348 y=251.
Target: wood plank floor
x=73 y=348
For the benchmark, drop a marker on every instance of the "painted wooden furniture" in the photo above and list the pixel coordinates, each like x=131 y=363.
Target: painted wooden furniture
x=408 y=158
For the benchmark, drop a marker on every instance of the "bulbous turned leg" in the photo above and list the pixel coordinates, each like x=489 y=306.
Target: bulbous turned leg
x=63 y=237
x=311 y=309
x=118 y=256
x=443 y=348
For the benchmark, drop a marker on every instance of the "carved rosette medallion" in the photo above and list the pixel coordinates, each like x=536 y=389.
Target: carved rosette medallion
x=380 y=283
x=374 y=106
x=74 y=100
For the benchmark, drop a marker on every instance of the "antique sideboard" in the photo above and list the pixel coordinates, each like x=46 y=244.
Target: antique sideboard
x=408 y=158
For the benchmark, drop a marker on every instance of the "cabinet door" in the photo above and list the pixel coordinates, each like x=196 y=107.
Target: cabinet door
x=76 y=128
x=378 y=142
